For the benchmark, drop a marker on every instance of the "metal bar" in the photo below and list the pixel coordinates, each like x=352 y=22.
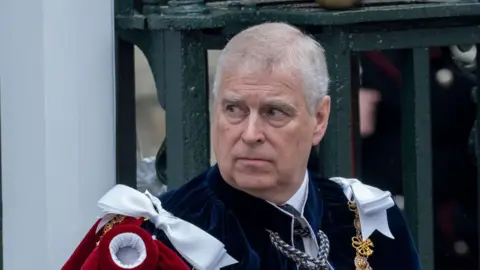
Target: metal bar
x=217 y=18
x=355 y=116
x=126 y=144
x=186 y=105
x=410 y=38
x=477 y=141
x=336 y=149
x=156 y=54
x=124 y=6
x=417 y=151
x=186 y=7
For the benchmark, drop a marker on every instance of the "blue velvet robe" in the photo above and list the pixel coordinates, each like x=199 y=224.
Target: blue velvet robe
x=240 y=222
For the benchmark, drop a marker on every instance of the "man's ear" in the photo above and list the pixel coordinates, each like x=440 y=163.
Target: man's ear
x=322 y=113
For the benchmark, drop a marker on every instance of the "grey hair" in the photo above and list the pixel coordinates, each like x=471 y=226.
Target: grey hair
x=276 y=47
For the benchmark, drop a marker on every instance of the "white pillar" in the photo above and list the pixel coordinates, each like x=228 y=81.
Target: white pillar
x=57 y=125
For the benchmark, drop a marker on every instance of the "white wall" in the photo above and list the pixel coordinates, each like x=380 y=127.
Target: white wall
x=57 y=125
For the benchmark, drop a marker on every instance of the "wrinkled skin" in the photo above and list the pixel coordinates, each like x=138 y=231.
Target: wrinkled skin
x=263 y=132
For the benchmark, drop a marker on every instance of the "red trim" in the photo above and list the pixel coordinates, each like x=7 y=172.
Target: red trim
x=380 y=60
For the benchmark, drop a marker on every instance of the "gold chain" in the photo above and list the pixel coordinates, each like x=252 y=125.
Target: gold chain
x=114 y=221
x=363 y=248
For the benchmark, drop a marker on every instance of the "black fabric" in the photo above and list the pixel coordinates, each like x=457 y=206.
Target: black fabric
x=240 y=221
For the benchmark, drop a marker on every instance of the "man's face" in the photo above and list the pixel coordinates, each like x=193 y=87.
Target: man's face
x=263 y=130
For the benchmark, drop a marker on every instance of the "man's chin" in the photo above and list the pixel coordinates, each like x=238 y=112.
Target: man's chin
x=246 y=182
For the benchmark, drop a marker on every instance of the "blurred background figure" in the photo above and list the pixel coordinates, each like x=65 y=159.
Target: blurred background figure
x=454 y=169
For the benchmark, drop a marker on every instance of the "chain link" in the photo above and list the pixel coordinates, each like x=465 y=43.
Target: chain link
x=301 y=258
x=362 y=247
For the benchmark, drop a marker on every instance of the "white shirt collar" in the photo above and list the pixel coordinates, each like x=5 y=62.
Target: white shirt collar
x=299 y=199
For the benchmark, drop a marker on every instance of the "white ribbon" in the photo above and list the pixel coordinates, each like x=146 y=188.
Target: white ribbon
x=372 y=204
x=200 y=249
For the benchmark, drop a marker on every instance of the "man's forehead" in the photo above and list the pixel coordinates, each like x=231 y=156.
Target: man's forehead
x=243 y=86
x=280 y=77
x=268 y=99
x=243 y=94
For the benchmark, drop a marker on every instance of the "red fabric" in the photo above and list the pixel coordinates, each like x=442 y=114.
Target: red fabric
x=83 y=250
x=168 y=259
x=93 y=261
x=90 y=256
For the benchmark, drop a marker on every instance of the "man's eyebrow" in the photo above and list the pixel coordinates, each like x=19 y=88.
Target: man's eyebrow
x=280 y=103
x=231 y=99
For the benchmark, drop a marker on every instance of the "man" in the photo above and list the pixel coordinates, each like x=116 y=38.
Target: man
x=259 y=200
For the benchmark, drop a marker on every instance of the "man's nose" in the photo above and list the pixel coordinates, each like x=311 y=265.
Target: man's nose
x=253 y=133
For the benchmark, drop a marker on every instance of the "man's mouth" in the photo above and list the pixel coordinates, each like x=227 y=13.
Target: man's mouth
x=253 y=160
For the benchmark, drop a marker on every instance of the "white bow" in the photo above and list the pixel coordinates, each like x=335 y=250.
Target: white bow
x=200 y=249
x=372 y=204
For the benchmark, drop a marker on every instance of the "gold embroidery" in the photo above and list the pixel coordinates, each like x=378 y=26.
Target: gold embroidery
x=114 y=221
x=362 y=247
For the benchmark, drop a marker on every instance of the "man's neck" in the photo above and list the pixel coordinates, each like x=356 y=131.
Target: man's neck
x=280 y=195
x=299 y=198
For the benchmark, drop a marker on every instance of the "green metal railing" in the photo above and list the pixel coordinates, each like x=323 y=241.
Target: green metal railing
x=175 y=37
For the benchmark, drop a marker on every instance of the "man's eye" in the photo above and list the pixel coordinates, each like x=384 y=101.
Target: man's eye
x=275 y=113
x=234 y=111
x=231 y=108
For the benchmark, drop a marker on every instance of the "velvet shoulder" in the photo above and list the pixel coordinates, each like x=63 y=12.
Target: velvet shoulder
x=198 y=204
x=195 y=202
